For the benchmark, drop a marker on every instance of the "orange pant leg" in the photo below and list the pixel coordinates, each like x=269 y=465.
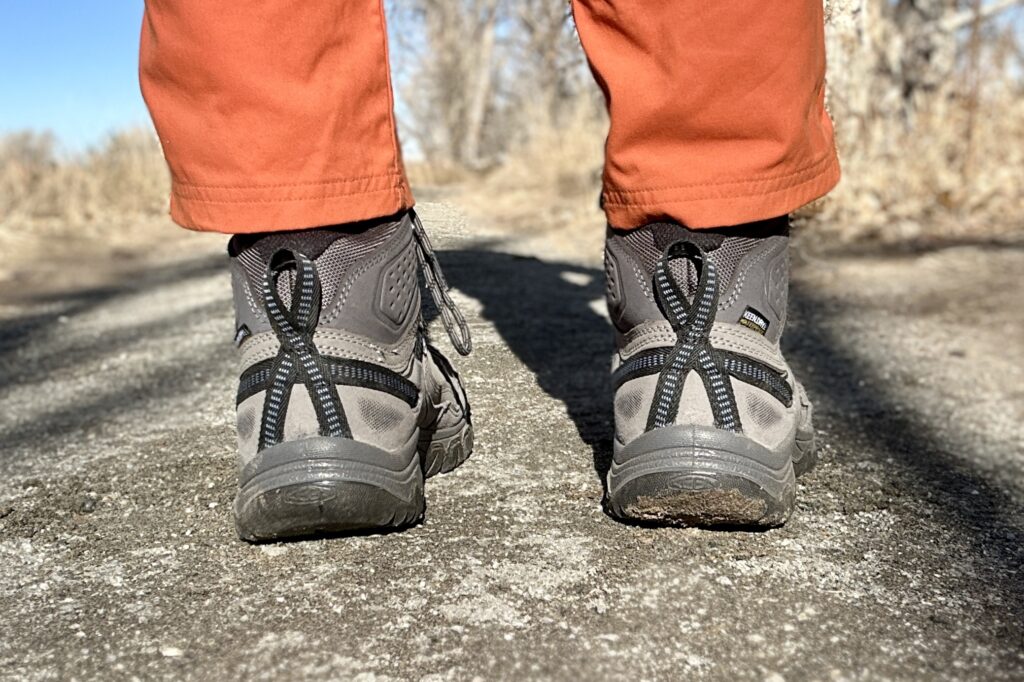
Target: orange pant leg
x=717 y=108
x=273 y=115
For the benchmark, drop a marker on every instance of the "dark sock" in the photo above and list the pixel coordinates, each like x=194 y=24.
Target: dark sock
x=313 y=242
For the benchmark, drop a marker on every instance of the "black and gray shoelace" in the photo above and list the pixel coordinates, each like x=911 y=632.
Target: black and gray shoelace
x=692 y=323
x=299 y=361
x=298 y=358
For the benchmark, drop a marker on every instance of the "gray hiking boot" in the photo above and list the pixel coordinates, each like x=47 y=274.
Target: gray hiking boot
x=343 y=406
x=711 y=427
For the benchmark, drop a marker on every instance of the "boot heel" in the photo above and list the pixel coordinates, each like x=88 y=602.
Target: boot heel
x=327 y=485
x=697 y=476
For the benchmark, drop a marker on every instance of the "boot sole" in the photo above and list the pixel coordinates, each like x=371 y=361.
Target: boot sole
x=701 y=476
x=805 y=453
x=336 y=485
x=443 y=451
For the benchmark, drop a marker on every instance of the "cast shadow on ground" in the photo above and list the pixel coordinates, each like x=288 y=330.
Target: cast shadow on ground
x=854 y=397
x=39 y=326
x=545 y=312
x=51 y=352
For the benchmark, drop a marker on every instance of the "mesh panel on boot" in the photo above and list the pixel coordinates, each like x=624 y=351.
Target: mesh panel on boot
x=346 y=252
x=641 y=243
x=726 y=247
x=628 y=403
x=333 y=249
x=246 y=421
x=378 y=416
x=763 y=412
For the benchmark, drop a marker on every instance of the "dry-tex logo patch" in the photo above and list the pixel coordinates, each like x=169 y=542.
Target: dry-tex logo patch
x=753 y=319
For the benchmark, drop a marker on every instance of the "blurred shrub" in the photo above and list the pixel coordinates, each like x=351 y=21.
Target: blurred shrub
x=124 y=177
x=928 y=102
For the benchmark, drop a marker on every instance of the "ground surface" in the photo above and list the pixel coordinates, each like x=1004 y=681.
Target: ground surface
x=118 y=557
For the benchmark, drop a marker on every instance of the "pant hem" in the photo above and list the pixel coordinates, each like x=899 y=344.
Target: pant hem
x=719 y=204
x=282 y=207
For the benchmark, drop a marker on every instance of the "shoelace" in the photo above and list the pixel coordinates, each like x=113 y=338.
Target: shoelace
x=451 y=317
x=693 y=351
x=298 y=356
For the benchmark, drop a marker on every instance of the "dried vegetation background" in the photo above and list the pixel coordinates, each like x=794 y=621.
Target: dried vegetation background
x=928 y=101
x=499 y=114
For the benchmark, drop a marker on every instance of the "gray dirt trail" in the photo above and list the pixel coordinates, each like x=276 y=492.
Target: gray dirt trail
x=118 y=557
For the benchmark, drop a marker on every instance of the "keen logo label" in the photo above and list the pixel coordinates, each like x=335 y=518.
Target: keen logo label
x=752 y=319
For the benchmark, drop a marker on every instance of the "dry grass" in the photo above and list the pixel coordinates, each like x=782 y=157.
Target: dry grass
x=955 y=169
x=902 y=182
x=122 y=181
x=930 y=126
x=547 y=185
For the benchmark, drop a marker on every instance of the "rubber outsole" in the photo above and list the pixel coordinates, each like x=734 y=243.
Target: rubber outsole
x=443 y=451
x=805 y=452
x=337 y=485
x=701 y=476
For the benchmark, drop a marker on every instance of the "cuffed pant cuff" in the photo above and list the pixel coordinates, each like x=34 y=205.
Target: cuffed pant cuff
x=271 y=208
x=719 y=204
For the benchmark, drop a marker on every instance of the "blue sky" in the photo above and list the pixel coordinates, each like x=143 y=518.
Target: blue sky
x=70 y=66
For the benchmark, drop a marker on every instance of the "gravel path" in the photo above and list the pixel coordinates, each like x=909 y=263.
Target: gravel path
x=118 y=557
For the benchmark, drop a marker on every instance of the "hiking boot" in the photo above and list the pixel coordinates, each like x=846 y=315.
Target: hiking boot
x=711 y=427
x=343 y=406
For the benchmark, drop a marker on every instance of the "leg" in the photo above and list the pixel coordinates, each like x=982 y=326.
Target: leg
x=276 y=118
x=273 y=115
x=717 y=119
x=717 y=109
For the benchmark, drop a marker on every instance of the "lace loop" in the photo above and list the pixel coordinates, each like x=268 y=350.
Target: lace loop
x=692 y=323
x=452 y=319
x=293 y=326
x=298 y=357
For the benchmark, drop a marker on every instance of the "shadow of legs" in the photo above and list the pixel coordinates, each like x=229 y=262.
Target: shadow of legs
x=857 y=401
x=544 y=312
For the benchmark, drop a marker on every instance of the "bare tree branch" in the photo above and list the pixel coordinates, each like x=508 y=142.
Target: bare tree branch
x=964 y=18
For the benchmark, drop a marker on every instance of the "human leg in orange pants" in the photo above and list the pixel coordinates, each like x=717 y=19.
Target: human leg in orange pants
x=718 y=131
x=278 y=118
x=273 y=115
x=717 y=108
